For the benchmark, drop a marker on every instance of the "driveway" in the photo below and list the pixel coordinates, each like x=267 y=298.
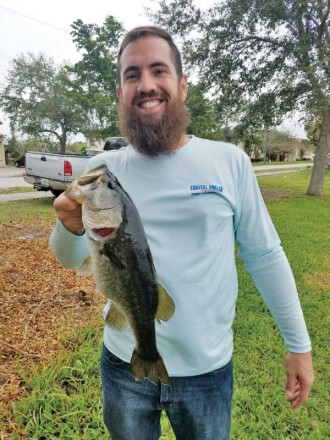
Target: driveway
x=11 y=177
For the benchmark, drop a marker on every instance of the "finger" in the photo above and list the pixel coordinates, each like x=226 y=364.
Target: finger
x=304 y=391
x=292 y=385
x=65 y=203
x=297 y=403
x=298 y=396
x=292 y=395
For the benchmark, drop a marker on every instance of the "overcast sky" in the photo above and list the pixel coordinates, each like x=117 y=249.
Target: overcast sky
x=44 y=26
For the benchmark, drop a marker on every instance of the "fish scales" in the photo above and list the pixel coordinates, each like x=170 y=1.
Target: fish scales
x=122 y=266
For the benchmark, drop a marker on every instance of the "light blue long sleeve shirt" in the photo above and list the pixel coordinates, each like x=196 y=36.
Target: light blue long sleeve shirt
x=195 y=204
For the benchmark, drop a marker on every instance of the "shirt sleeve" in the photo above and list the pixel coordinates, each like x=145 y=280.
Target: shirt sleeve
x=69 y=249
x=265 y=260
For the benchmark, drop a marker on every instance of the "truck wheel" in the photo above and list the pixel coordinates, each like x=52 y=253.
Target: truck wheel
x=55 y=192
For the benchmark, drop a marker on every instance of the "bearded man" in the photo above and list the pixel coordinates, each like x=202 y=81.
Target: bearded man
x=196 y=199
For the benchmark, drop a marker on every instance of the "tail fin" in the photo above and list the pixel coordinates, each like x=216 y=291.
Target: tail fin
x=155 y=371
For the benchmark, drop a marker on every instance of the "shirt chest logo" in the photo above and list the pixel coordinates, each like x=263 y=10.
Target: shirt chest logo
x=198 y=190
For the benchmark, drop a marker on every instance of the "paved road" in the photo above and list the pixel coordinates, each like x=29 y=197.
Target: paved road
x=12 y=177
x=288 y=166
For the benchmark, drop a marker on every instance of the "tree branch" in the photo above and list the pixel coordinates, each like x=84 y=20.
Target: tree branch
x=322 y=28
x=50 y=131
x=35 y=312
x=13 y=347
x=253 y=38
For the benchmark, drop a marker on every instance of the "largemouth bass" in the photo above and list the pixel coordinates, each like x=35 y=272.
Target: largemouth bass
x=122 y=266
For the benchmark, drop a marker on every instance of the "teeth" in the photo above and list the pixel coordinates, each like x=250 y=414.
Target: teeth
x=149 y=104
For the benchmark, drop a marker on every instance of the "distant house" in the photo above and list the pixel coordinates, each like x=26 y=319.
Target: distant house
x=291 y=150
x=283 y=150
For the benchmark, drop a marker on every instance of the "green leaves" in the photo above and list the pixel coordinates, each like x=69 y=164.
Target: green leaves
x=249 y=48
x=95 y=80
x=261 y=59
x=43 y=98
x=37 y=98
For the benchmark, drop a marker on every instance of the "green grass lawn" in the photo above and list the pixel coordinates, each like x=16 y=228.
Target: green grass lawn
x=27 y=210
x=64 y=400
x=16 y=189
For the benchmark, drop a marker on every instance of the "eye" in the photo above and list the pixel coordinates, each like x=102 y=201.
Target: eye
x=159 y=71
x=111 y=185
x=131 y=76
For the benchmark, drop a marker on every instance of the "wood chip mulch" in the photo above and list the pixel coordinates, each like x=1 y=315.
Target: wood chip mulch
x=39 y=302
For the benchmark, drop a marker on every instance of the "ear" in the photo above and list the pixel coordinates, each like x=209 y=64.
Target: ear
x=184 y=86
x=119 y=92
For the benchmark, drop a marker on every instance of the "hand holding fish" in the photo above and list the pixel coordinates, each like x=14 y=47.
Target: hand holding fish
x=68 y=211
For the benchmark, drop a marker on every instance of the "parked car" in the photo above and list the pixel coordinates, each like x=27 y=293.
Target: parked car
x=115 y=143
x=112 y=143
x=20 y=162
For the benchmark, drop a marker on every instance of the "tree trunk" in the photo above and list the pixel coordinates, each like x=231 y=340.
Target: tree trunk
x=316 y=184
x=63 y=141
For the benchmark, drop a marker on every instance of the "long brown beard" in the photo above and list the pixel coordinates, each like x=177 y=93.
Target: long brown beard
x=152 y=137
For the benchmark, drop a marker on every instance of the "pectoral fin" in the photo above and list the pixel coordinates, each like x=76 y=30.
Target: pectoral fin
x=86 y=267
x=166 y=305
x=115 y=318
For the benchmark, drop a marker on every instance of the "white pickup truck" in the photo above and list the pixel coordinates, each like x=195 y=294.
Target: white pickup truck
x=54 y=172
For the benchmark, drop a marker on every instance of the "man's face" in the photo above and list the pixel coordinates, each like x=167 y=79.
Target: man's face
x=151 y=96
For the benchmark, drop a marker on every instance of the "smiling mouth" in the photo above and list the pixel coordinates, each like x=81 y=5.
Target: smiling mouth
x=150 y=104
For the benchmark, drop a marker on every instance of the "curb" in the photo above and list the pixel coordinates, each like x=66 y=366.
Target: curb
x=24 y=196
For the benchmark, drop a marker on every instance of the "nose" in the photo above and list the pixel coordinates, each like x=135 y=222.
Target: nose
x=146 y=83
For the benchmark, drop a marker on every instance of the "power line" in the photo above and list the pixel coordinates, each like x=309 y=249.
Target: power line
x=35 y=19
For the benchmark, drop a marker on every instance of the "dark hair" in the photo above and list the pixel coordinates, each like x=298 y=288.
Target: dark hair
x=150 y=31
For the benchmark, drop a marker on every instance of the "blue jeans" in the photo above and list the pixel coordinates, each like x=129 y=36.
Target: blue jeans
x=198 y=407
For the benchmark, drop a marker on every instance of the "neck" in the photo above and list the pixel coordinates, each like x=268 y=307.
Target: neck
x=183 y=141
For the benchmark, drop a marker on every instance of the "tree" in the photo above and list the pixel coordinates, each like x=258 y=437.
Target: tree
x=252 y=144
x=265 y=58
x=39 y=101
x=17 y=147
x=203 y=120
x=313 y=130
x=96 y=74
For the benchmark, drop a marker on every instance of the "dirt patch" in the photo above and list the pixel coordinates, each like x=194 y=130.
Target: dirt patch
x=278 y=193
x=40 y=301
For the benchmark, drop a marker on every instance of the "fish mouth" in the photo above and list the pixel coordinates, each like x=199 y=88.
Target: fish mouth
x=104 y=232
